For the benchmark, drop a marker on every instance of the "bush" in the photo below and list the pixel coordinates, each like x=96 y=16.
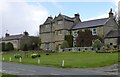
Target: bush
x=64 y=45
x=35 y=55
x=118 y=50
x=25 y=47
x=9 y=46
x=97 y=44
x=17 y=56
x=69 y=39
x=47 y=54
x=3 y=46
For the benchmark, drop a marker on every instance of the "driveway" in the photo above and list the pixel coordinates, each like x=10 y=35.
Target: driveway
x=26 y=69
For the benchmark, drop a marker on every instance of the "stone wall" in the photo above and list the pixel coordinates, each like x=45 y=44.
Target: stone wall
x=16 y=43
x=78 y=49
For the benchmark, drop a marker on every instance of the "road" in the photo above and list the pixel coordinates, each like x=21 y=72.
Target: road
x=26 y=69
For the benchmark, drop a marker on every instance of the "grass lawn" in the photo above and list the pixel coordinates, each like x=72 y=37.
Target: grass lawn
x=71 y=59
x=7 y=75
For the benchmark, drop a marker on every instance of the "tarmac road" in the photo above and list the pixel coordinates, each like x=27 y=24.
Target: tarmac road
x=26 y=69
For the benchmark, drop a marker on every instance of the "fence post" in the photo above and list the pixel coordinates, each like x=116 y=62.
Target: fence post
x=3 y=58
x=38 y=61
x=20 y=59
x=62 y=63
x=10 y=59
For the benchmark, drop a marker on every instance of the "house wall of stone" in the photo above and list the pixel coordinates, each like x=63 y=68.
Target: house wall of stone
x=43 y=46
x=108 y=42
x=55 y=33
x=99 y=33
x=68 y=24
x=16 y=43
x=58 y=45
x=46 y=37
x=45 y=28
x=110 y=25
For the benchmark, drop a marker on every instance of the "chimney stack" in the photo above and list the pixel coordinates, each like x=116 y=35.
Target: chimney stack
x=76 y=18
x=6 y=35
x=110 y=13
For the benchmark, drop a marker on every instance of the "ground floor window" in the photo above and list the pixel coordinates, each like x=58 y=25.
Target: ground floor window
x=47 y=46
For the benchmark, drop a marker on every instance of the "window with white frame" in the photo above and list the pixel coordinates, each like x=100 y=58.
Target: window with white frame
x=94 y=31
x=75 y=33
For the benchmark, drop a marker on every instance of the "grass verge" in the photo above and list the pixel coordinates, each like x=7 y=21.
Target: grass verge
x=71 y=59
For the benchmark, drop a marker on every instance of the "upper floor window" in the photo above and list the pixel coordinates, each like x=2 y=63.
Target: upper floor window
x=60 y=32
x=53 y=24
x=47 y=26
x=94 y=31
x=60 y=22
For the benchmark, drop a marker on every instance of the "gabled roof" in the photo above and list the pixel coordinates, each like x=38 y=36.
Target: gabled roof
x=91 y=23
x=48 y=20
x=113 y=34
x=13 y=37
x=64 y=17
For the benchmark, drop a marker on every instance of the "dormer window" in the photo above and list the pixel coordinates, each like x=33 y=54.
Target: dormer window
x=94 y=31
x=60 y=22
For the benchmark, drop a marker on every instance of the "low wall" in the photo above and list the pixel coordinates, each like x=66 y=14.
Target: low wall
x=78 y=49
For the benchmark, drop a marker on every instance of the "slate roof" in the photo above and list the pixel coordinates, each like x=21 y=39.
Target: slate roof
x=13 y=37
x=91 y=23
x=113 y=34
x=68 y=18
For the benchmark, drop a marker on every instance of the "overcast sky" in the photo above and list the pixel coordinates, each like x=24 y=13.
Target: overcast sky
x=16 y=17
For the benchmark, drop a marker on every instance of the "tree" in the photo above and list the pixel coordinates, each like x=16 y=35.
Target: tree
x=97 y=44
x=69 y=39
x=25 y=47
x=3 y=46
x=64 y=45
x=9 y=46
x=39 y=42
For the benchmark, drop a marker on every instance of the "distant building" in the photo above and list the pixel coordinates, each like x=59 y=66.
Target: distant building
x=53 y=31
x=19 y=40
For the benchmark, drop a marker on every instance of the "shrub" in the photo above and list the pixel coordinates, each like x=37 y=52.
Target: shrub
x=9 y=46
x=17 y=56
x=35 y=55
x=47 y=54
x=118 y=50
x=3 y=46
x=25 y=47
x=64 y=45
x=69 y=39
x=97 y=44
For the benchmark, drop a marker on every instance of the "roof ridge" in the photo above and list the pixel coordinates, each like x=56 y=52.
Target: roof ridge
x=95 y=19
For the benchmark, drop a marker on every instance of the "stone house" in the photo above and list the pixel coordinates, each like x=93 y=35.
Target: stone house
x=86 y=32
x=19 y=40
x=53 y=31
